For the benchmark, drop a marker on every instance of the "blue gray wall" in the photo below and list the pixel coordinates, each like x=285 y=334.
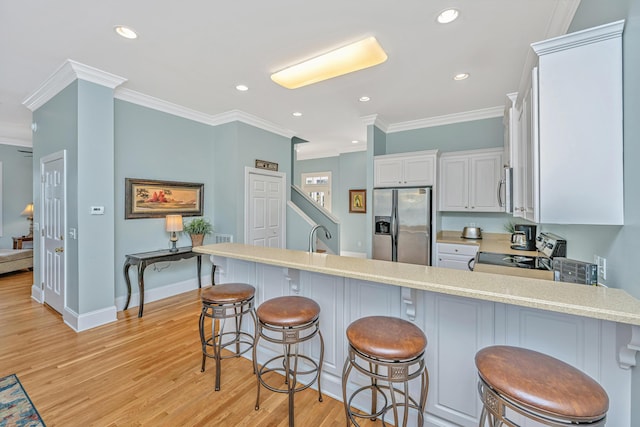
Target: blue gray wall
x=347 y=173
x=237 y=146
x=150 y=144
x=472 y=135
x=620 y=244
x=16 y=192
x=57 y=122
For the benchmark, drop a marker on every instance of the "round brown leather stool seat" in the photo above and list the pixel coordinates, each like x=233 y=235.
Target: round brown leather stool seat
x=288 y=321
x=219 y=303
x=538 y=387
x=390 y=351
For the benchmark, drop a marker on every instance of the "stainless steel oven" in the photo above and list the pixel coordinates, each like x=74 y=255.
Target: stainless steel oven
x=514 y=260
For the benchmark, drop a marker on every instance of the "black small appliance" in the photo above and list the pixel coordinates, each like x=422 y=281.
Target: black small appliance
x=530 y=237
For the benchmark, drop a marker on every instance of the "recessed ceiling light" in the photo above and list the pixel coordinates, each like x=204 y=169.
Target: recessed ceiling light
x=297 y=114
x=364 y=99
x=347 y=59
x=242 y=88
x=461 y=76
x=126 y=32
x=355 y=141
x=447 y=16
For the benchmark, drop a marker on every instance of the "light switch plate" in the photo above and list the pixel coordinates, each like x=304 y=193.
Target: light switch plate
x=97 y=210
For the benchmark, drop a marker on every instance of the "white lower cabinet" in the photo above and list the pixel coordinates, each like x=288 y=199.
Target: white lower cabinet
x=457 y=257
x=328 y=292
x=456 y=328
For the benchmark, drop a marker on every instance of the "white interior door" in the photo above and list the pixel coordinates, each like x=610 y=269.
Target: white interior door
x=265 y=208
x=52 y=268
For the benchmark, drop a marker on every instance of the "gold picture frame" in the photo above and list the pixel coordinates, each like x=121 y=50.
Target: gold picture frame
x=357 y=201
x=156 y=199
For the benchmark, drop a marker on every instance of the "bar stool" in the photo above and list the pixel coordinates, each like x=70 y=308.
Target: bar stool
x=390 y=350
x=290 y=321
x=537 y=386
x=219 y=303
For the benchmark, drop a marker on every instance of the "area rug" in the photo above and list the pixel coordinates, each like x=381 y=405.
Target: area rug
x=16 y=409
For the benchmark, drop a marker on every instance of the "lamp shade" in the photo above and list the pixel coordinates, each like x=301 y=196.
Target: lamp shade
x=28 y=211
x=173 y=223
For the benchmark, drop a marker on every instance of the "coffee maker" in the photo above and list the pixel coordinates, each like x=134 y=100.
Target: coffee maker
x=526 y=243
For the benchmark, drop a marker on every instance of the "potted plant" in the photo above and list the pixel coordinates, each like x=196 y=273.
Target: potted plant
x=197 y=228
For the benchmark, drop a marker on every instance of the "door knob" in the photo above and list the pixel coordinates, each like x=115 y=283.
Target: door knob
x=58 y=250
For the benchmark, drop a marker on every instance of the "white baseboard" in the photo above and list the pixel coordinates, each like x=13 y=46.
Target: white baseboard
x=156 y=294
x=82 y=322
x=89 y=320
x=37 y=294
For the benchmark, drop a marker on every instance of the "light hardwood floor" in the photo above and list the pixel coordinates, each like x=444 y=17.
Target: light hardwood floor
x=136 y=372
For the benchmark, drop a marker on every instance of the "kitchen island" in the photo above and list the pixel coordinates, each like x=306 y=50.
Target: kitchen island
x=593 y=328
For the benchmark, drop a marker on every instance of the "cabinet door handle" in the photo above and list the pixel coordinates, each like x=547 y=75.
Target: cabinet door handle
x=500 y=184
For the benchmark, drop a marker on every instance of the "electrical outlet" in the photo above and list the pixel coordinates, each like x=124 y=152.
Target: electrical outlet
x=601 y=262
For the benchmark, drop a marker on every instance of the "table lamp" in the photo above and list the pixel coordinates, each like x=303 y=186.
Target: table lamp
x=28 y=212
x=173 y=224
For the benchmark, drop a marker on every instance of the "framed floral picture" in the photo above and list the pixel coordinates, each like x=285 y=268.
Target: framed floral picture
x=155 y=199
x=357 y=201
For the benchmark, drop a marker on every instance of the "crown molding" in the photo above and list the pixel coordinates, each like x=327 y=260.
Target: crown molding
x=17 y=142
x=15 y=134
x=485 y=113
x=310 y=152
x=65 y=74
x=376 y=120
x=558 y=24
x=143 y=100
x=579 y=38
x=250 y=119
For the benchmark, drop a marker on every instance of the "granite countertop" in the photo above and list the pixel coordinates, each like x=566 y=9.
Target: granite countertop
x=499 y=243
x=590 y=301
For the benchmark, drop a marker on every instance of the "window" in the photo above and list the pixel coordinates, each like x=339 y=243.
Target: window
x=317 y=185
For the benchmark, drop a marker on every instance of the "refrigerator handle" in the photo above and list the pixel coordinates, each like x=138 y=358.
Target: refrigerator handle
x=394 y=227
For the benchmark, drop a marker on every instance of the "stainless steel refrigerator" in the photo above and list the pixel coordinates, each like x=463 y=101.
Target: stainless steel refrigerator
x=402 y=225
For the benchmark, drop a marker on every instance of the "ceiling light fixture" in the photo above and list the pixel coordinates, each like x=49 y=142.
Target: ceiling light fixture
x=355 y=141
x=125 y=32
x=242 y=88
x=447 y=16
x=297 y=114
x=461 y=76
x=347 y=59
x=364 y=99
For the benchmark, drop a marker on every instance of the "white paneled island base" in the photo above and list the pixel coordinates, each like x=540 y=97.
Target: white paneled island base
x=594 y=329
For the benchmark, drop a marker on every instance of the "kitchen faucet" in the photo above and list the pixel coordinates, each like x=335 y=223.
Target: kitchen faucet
x=313 y=231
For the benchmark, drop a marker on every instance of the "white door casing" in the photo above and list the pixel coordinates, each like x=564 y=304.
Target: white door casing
x=53 y=228
x=265 y=208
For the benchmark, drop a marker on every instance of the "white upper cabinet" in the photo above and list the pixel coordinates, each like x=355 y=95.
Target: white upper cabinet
x=470 y=181
x=405 y=170
x=576 y=129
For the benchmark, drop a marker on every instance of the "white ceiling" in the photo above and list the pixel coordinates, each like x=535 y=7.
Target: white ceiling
x=194 y=53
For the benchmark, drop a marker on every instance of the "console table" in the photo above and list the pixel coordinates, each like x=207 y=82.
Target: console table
x=19 y=241
x=144 y=259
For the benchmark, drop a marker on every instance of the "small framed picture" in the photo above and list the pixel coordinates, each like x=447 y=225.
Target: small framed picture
x=357 y=201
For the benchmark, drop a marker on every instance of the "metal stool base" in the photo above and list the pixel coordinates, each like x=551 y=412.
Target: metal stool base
x=394 y=373
x=287 y=364
x=213 y=345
